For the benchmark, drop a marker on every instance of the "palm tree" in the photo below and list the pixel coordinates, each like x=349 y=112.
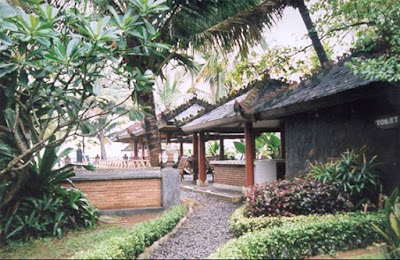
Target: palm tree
x=203 y=24
x=213 y=71
x=168 y=91
x=273 y=10
x=195 y=24
x=103 y=126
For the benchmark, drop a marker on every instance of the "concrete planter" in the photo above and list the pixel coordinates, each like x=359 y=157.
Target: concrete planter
x=266 y=170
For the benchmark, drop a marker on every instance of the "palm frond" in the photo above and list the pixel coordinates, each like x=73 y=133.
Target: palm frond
x=226 y=24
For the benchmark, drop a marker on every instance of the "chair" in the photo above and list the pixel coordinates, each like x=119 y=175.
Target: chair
x=184 y=166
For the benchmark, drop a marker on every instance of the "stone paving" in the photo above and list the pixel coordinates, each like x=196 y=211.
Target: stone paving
x=205 y=230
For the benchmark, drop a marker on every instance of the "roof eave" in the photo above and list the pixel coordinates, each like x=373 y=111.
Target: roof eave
x=211 y=124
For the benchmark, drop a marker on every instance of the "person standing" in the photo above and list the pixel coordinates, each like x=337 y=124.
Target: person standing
x=79 y=155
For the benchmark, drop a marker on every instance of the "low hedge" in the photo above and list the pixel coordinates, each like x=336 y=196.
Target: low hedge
x=138 y=238
x=240 y=224
x=321 y=234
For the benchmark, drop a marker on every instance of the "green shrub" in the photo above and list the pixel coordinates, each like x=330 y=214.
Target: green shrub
x=295 y=197
x=139 y=237
x=43 y=207
x=48 y=215
x=324 y=234
x=352 y=172
x=240 y=224
x=391 y=231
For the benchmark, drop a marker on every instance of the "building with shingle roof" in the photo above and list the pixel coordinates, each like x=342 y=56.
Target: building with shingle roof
x=323 y=116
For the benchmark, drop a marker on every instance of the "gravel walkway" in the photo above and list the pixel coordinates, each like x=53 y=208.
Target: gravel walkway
x=204 y=231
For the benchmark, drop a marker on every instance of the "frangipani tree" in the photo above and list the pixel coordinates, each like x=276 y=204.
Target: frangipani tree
x=50 y=62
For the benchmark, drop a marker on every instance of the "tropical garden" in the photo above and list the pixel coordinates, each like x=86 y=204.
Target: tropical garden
x=57 y=56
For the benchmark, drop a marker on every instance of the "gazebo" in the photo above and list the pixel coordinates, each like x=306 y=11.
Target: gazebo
x=168 y=125
x=231 y=117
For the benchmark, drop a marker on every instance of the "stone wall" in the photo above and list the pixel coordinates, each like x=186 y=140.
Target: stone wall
x=325 y=133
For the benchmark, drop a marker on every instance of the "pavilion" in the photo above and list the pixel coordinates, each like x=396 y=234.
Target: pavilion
x=327 y=113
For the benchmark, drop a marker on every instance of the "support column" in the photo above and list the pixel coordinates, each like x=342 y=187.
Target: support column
x=195 y=157
x=143 y=147
x=250 y=153
x=221 y=149
x=202 y=181
x=135 y=149
x=180 y=151
x=283 y=147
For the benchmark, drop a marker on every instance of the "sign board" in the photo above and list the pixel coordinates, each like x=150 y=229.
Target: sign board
x=388 y=122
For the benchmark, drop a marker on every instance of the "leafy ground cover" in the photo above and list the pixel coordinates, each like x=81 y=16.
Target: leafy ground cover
x=299 y=239
x=55 y=248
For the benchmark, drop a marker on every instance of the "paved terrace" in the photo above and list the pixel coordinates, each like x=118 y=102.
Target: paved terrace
x=189 y=185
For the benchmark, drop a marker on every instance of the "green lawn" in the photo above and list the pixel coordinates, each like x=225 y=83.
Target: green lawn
x=64 y=247
x=372 y=252
x=371 y=256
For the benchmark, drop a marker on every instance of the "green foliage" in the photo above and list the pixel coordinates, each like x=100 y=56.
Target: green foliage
x=376 y=27
x=295 y=197
x=44 y=208
x=50 y=214
x=240 y=147
x=240 y=224
x=168 y=92
x=212 y=148
x=300 y=239
x=51 y=61
x=278 y=62
x=352 y=172
x=391 y=228
x=138 y=238
x=44 y=174
x=267 y=146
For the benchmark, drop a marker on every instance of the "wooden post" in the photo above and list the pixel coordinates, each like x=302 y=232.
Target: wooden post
x=195 y=157
x=202 y=160
x=283 y=147
x=250 y=152
x=180 y=150
x=135 y=149
x=143 y=154
x=221 y=149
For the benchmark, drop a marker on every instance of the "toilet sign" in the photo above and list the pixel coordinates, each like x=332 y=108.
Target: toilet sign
x=388 y=122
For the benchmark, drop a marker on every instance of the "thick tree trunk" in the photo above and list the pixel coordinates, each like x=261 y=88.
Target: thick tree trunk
x=312 y=33
x=19 y=180
x=103 y=154
x=146 y=98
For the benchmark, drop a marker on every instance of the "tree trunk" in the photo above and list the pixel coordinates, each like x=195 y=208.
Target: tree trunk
x=146 y=98
x=213 y=92
x=102 y=145
x=18 y=182
x=312 y=33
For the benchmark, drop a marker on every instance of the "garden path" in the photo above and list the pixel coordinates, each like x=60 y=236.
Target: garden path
x=206 y=229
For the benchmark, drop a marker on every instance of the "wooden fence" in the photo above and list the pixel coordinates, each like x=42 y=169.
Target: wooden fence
x=123 y=164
